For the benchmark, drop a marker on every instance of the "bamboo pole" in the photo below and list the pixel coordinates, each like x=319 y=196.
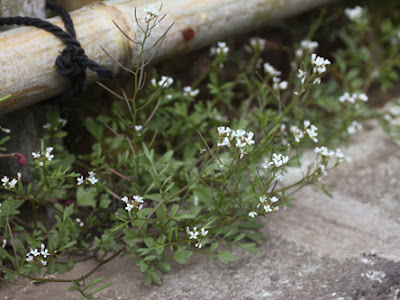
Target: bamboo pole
x=27 y=55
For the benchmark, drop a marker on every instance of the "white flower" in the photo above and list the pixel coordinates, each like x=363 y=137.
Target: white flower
x=273 y=199
x=257 y=43
x=319 y=63
x=92 y=178
x=354 y=127
x=5 y=130
x=278 y=160
x=193 y=234
x=302 y=75
x=311 y=130
x=80 y=180
x=138 y=127
x=36 y=155
x=165 y=81
x=47 y=126
x=271 y=70
x=29 y=258
x=5 y=181
x=80 y=223
x=19 y=175
x=188 y=92
x=198 y=245
x=252 y=214
x=309 y=45
x=4 y=243
x=278 y=84
x=43 y=251
x=324 y=151
x=346 y=98
x=239 y=133
x=297 y=133
x=354 y=14
x=13 y=183
x=249 y=139
x=136 y=203
x=204 y=232
x=48 y=154
x=341 y=158
x=221 y=49
x=62 y=122
x=151 y=13
x=225 y=142
x=224 y=131
x=268 y=208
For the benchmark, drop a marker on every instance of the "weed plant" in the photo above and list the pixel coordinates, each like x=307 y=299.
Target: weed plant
x=177 y=170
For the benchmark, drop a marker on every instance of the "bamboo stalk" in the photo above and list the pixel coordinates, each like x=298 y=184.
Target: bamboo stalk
x=27 y=55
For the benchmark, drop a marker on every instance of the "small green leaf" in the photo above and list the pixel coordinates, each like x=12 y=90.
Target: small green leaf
x=94 y=282
x=182 y=254
x=86 y=197
x=94 y=128
x=250 y=247
x=226 y=257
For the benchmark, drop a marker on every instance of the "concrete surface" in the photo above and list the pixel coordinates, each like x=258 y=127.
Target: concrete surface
x=343 y=248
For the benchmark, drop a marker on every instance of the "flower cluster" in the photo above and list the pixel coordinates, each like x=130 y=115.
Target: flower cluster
x=354 y=128
x=164 y=82
x=307 y=45
x=36 y=255
x=80 y=223
x=188 y=92
x=136 y=202
x=221 y=49
x=269 y=69
x=5 y=130
x=278 y=160
x=151 y=13
x=61 y=122
x=267 y=204
x=319 y=63
x=89 y=180
x=197 y=235
x=353 y=98
x=11 y=184
x=354 y=14
x=43 y=157
x=257 y=43
x=324 y=156
x=309 y=129
x=242 y=138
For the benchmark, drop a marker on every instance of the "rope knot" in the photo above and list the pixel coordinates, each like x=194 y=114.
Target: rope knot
x=72 y=62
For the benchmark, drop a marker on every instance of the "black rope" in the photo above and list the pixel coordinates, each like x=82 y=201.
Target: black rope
x=72 y=61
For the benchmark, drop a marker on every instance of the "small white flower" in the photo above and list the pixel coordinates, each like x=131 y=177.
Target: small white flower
x=13 y=183
x=269 y=69
x=43 y=251
x=188 y=92
x=297 y=133
x=257 y=43
x=47 y=126
x=309 y=45
x=225 y=142
x=278 y=160
x=5 y=181
x=311 y=130
x=224 y=131
x=221 y=49
x=80 y=223
x=4 y=243
x=302 y=75
x=249 y=139
x=138 y=127
x=354 y=14
x=62 y=122
x=151 y=13
x=36 y=155
x=80 y=180
x=92 y=178
x=198 y=245
x=252 y=214
x=273 y=199
x=29 y=258
x=268 y=208
x=354 y=127
x=324 y=151
x=5 y=130
x=19 y=175
x=204 y=232
x=319 y=63
x=165 y=81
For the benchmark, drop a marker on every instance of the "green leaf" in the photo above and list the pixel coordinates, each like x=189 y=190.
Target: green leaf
x=239 y=237
x=86 y=197
x=94 y=128
x=154 y=276
x=181 y=254
x=94 y=282
x=5 y=98
x=68 y=211
x=250 y=247
x=226 y=257
x=104 y=286
x=163 y=266
x=161 y=212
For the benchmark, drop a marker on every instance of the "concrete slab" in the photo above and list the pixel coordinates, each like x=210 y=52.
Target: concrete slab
x=347 y=247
